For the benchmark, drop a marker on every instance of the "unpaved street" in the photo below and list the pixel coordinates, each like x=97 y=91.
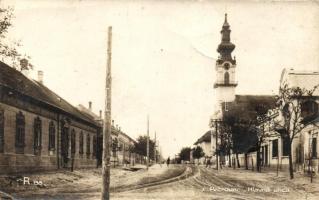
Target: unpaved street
x=229 y=184
x=175 y=182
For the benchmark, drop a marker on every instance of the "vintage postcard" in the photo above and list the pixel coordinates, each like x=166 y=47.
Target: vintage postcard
x=159 y=99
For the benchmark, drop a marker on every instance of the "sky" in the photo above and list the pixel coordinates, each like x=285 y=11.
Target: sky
x=163 y=55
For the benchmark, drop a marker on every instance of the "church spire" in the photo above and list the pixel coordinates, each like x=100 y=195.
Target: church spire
x=225 y=22
x=225 y=48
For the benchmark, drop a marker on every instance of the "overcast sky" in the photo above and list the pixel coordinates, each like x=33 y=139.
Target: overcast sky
x=164 y=55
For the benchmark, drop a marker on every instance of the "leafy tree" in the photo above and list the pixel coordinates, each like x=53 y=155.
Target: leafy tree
x=140 y=146
x=8 y=49
x=198 y=152
x=242 y=130
x=185 y=153
x=291 y=105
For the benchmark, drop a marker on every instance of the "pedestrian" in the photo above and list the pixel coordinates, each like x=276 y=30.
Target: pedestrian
x=167 y=162
x=208 y=163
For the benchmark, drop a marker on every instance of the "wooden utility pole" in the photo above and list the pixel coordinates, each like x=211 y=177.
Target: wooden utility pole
x=155 y=149
x=217 y=151
x=148 y=142
x=107 y=123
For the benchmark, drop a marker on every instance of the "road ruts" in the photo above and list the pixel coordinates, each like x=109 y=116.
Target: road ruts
x=201 y=185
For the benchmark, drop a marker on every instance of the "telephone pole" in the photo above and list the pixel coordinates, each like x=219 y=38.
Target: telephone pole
x=107 y=123
x=148 y=142
x=155 y=148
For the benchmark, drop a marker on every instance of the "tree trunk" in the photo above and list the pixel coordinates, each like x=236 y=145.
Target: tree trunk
x=291 y=172
x=258 y=160
x=252 y=163
x=238 y=164
x=229 y=159
x=72 y=163
x=246 y=161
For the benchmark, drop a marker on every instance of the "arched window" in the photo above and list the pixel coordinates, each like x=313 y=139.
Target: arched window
x=88 y=145
x=1 y=130
x=72 y=142
x=226 y=78
x=37 y=136
x=20 y=132
x=81 y=143
x=51 y=136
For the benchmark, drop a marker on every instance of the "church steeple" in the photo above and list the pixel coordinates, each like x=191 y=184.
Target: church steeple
x=225 y=48
x=225 y=82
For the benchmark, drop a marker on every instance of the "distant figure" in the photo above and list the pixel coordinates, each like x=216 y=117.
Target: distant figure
x=167 y=162
x=208 y=163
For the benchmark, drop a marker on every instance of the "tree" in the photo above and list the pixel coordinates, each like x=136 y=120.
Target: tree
x=140 y=146
x=185 y=153
x=291 y=104
x=242 y=128
x=8 y=49
x=263 y=128
x=241 y=136
x=226 y=141
x=198 y=152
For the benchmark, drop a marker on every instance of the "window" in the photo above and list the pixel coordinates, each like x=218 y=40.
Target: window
x=72 y=142
x=275 y=148
x=51 y=136
x=94 y=146
x=1 y=130
x=81 y=143
x=88 y=150
x=285 y=146
x=314 y=147
x=226 y=78
x=37 y=136
x=309 y=108
x=20 y=132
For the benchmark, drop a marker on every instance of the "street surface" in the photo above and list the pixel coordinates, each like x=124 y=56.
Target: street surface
x=229 y=184
x=175 y=182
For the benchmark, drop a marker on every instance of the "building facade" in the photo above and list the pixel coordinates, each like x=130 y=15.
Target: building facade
x=304 y=146
x=39 y=130
x=122 y=146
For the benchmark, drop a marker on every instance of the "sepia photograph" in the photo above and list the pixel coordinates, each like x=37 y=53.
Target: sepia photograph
x=159 y=99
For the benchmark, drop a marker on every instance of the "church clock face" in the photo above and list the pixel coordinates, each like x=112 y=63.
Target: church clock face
x=226 y=66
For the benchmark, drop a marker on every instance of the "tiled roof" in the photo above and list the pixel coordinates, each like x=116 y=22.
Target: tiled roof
x=16 y=81
x=247 y=105
x=205 y=138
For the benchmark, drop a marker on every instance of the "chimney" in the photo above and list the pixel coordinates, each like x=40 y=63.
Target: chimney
x=100 y=114
x=90 y=105
x=113 y=122
x=24 y=67
x=40 y=77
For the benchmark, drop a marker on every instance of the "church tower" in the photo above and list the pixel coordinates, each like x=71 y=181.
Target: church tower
x=225 y=83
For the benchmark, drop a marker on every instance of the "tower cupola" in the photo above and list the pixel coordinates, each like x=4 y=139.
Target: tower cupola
x=225 y=48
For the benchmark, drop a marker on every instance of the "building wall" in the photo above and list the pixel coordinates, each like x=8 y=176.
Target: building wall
x=301 y=148
x=11 y=162
x=124 y=156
